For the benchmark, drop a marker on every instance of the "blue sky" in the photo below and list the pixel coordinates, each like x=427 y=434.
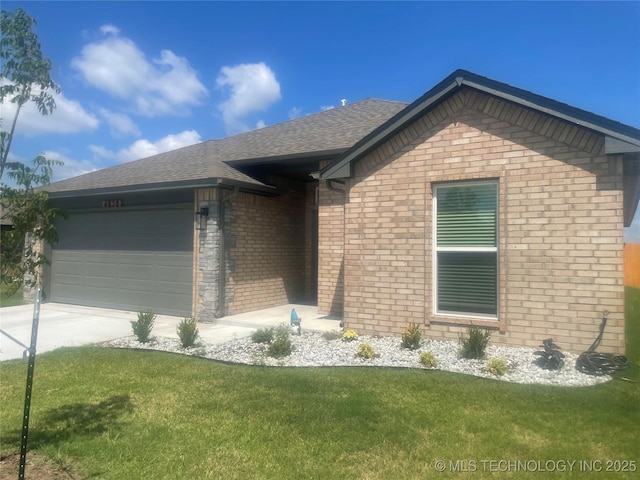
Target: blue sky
x=139 y=78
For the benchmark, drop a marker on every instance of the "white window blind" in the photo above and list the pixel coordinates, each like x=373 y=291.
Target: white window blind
x=466 y=253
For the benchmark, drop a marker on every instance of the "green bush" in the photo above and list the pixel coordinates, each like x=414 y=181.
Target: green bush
x=187 y=331
x=428 y=360
x=366 y=351
x=280 y=343
x=280 y=347
x=143 y=326
x=349 y=336
x=474 y=345
x=263 y=335
x=282 y=331
x=411 y=337
x=497 y=366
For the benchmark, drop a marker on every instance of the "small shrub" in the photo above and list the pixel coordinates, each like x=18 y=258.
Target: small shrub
x=349 y=336
x=428 y=360
x=411 y=337
x=497 y=366
x=187 y=331
x=366 y=351
x=332 y=335
x=280 y=347
x=282 y=331
x=143 y=326
x=551 y=358
x=263 y=335
x=474 y=345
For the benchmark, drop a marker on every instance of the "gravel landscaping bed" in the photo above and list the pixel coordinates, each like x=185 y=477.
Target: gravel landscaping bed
x=312 y=350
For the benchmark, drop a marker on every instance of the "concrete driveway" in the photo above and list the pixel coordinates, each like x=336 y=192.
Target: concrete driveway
x=64 y=325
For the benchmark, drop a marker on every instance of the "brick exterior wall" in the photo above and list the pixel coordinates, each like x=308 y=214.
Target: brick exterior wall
x=560 y=227
x=265 y=250
x=311 y=242
x=330 y=250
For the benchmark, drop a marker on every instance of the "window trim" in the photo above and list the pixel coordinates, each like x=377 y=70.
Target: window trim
x=435 y=250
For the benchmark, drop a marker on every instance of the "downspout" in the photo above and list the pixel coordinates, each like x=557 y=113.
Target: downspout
x=222 y=260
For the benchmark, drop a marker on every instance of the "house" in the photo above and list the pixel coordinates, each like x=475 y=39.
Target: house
x=477 y=204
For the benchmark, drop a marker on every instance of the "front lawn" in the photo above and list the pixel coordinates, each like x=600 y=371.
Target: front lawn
x=118 y=414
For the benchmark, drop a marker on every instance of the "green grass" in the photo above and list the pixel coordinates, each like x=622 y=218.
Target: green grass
x=632 y=323
x=10 y=300
x=117 y=414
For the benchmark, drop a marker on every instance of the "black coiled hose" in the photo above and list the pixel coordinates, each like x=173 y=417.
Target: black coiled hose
x=596 y=363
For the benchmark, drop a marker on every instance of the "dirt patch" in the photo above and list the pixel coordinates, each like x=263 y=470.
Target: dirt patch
x=37 y=467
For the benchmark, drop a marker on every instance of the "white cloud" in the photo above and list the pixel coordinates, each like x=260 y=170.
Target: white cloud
x=251 y=88
x=71 y=167
x=324 y=108
x=260 y=124
x=120 y=124
x=295 y=112
x=110 y=29
x=67 y=117
x=102 y=152
x=164 y=86
x=144 y=148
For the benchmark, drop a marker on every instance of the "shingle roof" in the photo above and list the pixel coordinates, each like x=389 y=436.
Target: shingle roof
x=330 y=131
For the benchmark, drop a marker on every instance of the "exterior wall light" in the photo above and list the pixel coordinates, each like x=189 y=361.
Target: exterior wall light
x=201 y=216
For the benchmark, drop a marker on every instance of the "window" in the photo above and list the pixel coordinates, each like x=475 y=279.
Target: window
x=466 y=248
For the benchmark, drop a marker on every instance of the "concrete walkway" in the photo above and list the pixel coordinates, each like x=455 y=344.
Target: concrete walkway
x=64 y=325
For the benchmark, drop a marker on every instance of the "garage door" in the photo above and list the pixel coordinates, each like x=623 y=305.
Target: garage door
x=128 y=260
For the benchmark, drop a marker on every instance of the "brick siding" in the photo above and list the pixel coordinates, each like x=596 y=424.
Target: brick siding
x=265 y=250
x=560 y=231
x=330 y=251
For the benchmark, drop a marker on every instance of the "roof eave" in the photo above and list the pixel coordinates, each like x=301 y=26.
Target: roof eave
x=312 y=155
x=259 y=189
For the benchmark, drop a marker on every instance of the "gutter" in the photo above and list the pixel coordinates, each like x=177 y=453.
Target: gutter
x=256 y=189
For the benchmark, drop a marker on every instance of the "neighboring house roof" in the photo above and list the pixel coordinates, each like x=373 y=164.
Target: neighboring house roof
x=210 y=163
x=619 y=138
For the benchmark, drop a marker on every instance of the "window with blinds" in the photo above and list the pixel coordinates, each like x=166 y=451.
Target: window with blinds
x=466 y=248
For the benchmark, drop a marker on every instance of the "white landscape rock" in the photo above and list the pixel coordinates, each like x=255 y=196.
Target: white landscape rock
x=312 y=350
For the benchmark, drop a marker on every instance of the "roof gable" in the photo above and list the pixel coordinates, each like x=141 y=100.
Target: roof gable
x=619 y=138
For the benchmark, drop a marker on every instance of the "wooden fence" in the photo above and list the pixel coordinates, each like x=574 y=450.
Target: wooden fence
x=632 y=265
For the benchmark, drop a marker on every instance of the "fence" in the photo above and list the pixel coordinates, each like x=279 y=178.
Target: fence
x=632 y=265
